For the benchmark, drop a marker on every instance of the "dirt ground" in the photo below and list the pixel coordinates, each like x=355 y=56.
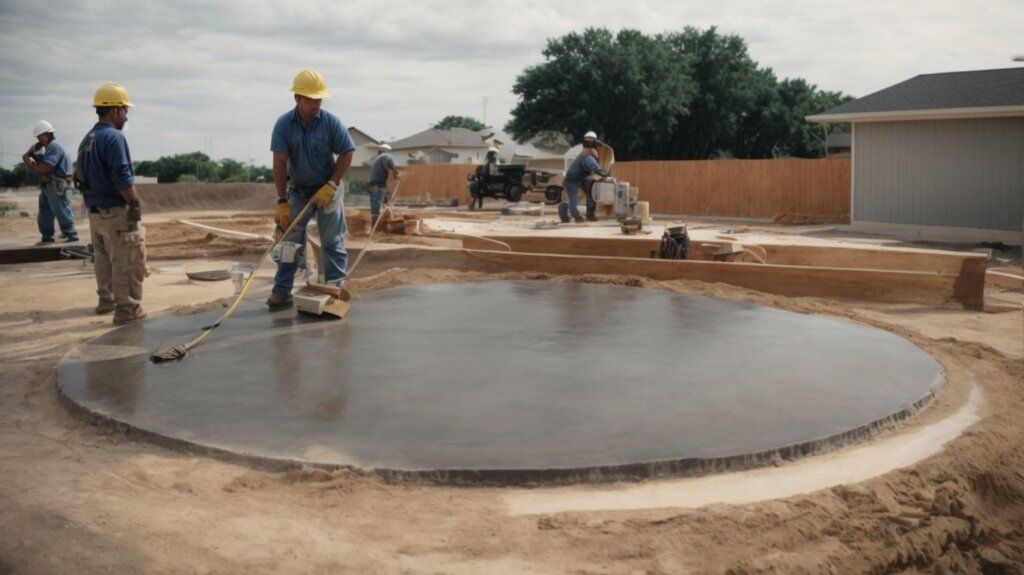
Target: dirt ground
x=77 y=498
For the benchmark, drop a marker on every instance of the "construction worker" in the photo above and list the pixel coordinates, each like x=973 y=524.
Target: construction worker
x=47 y=158
x=483 y=172
x=105 y=176
x=312 y=151
x=581 y=168
x=382 y=165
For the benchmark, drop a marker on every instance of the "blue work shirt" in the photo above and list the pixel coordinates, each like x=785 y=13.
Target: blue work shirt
x=106 y=165
x=311 y=150
x=56 y=157
x=581 y=167
x=382 y=164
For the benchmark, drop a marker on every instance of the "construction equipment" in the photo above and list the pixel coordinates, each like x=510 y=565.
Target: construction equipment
x=675 y=244
x=513 y=181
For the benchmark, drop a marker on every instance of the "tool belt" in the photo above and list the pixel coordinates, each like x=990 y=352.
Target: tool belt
x=59 y=181
x=307 y=191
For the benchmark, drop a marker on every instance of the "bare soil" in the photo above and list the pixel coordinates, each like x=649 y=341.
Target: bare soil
x=76 y=498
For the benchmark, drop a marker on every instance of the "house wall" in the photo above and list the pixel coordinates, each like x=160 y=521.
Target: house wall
x=955 y=173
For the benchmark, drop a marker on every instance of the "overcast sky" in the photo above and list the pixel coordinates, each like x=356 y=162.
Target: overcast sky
x=214 y=75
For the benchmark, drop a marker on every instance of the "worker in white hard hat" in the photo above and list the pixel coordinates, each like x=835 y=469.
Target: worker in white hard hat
x=382 y=166
x=581 y=168
x=312 y=152
x=107 y=180
x=47 y=158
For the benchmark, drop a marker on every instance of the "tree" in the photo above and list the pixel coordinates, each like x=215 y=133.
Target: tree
x=170 y=168
x=626 y=87
x=449 y=122
x=684 y=95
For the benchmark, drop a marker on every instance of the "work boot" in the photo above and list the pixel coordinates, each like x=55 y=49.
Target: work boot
x=120 y=319
x=44 y=242
x=276 y=302
x=591 y=218
x=104 y=308
x=580 y=220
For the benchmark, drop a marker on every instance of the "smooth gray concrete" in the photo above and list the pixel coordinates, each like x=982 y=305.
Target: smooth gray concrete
x=507 y=382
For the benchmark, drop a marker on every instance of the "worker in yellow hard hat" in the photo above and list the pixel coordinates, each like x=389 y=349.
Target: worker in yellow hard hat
x=47 y=158
x=312 y=151
x=107 y=180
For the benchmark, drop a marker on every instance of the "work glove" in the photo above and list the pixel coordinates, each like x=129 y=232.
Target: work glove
x=283 y=215
x=134 y=211
x=134 y=214
x=325 y=195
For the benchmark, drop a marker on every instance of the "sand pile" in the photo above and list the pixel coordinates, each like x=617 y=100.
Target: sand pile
x=198 y=197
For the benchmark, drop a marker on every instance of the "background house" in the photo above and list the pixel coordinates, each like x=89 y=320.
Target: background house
x=940 y=155
x=436 y=146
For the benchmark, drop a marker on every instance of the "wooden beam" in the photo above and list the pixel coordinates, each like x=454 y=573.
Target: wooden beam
x=795 y=281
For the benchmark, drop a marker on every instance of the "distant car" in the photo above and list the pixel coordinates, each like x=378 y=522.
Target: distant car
x=514 y=181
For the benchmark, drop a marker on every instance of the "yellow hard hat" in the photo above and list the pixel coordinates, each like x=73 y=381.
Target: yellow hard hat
x=310 y=83
x=111 y=95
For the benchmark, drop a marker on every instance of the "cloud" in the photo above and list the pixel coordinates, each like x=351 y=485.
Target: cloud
x=214 y=76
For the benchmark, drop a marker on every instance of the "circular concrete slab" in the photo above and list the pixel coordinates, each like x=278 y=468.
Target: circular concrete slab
x=507 y=382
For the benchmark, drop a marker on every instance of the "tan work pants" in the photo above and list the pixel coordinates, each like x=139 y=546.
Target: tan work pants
x=120 y=259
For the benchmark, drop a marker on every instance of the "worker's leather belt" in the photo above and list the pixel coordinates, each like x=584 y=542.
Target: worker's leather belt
x=95 y=210
x=307 y=191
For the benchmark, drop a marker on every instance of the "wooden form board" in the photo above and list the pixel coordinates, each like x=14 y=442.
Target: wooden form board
x=797 y=281
x=934 y=261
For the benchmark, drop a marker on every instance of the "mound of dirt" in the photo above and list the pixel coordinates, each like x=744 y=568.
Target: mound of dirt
x=198 y=197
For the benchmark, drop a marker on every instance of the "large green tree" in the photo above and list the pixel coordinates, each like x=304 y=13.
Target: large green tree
x=627 y=87
x=460 y=122
x=694 y=94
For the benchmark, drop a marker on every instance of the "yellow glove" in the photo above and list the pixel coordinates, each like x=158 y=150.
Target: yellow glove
x=283 y=215
x=324 y=195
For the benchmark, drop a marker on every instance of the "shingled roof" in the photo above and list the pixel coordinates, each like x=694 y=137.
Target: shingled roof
x=976 y=94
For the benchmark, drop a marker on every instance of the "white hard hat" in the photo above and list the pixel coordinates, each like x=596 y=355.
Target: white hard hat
x=590 y=135
x=42 y=127
x=492 y=149
x=385 y=147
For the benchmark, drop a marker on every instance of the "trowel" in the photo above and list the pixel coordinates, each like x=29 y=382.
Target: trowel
x=321 y=299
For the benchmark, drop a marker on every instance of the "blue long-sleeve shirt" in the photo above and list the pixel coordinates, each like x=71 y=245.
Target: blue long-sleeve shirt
x=106 y=166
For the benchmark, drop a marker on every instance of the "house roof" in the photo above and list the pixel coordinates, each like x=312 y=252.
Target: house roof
x=360 y=137
x=454 y=137
x=974 y=94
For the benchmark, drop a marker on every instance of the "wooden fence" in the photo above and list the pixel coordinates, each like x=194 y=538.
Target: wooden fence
x=731 y=188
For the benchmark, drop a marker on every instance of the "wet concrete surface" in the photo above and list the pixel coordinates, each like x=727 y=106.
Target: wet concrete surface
x=507 y=382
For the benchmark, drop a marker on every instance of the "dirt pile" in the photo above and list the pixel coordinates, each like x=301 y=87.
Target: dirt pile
x=197 y=197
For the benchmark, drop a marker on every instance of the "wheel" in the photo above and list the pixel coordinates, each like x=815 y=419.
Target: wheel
x=514 y=193
x=553 y=195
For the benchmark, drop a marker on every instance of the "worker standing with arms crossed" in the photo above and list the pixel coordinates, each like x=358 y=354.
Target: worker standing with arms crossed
x=382 y=165
x=48 y=159
x=107 y=181
x=312 y=151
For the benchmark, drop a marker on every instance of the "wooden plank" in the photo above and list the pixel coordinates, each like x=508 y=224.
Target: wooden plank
x=927 y=261
x=792 y=281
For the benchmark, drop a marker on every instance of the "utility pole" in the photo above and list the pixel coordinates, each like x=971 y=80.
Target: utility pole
x=485 y=111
